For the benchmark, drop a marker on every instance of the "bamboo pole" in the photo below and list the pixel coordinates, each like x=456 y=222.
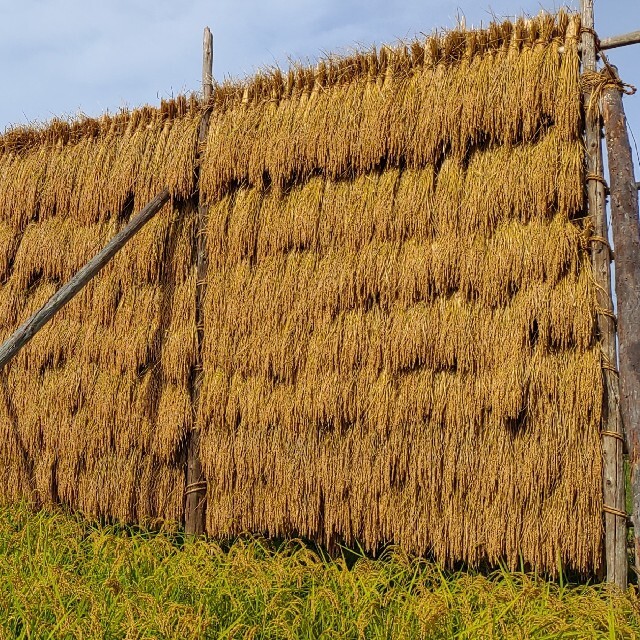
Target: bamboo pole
x=196 y=483
x=60 y=298
x=626 y=236
x=612 y=433
x=620 y=41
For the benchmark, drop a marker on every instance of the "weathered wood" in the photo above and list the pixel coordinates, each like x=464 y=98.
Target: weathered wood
x=620 y=41
x=196 y=484
x=612 y=449
x=30 y=327
x=626 y=236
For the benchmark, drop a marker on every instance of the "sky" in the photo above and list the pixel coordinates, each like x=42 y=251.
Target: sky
x=69 y=57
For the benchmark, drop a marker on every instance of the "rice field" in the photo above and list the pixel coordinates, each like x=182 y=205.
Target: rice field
x=62 y=576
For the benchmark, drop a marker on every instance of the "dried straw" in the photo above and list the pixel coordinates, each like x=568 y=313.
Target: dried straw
x=400 y=339
x=97 y=406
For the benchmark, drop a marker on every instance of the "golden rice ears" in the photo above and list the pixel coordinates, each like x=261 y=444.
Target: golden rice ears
x=410 y=106
x=399 y=319
x=400 y=312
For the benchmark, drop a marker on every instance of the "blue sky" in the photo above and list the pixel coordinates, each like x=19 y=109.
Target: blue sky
x=65 y=57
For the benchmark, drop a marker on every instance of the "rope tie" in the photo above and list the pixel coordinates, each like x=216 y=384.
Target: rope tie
x=594 y=83
x=609 y=314
x=591 y=31
x=195 y=487
x=602 y=241
x=626 y=88
x=614 y=511
x=605 y=364
x=598 y=178
x=629 y=89
x=613 y=434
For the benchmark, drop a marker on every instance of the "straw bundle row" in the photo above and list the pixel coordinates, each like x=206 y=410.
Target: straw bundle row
x=97 y=407
x=288 y=342
x=424 y=459
x=400 y=340
x=413 y=105
x=98 y=171
x=525 y=183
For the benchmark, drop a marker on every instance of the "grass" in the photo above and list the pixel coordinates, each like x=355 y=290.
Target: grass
x=62 y=576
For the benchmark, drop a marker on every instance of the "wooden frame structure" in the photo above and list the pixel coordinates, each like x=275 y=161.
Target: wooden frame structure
x=621 y=415
x=626 y=237
x=612 y=432
x=621 y=406
x=196 y=484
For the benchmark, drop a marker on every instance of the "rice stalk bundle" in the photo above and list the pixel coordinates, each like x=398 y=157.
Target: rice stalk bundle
x=399 y=317
x=90 y=170
x=400 y=340
x=96 y=408
x=411 y=106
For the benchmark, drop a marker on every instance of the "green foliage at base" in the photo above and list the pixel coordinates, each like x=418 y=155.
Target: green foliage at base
x=65 y=577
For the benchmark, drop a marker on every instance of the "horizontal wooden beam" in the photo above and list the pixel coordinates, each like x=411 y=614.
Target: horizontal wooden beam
x=29 y=328
x=620 y=41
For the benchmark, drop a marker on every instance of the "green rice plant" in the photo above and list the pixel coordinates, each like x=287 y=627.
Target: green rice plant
x=62 y=576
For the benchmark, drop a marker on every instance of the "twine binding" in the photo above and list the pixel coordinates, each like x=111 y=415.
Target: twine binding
x=195 y=487
x=614 y=511
x=612 y=434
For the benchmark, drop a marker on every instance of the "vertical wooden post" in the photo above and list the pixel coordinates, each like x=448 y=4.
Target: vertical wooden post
x=196 y=485
x=612 y=433
x=626 y=236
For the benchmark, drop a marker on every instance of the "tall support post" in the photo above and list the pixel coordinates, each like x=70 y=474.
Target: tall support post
x=626 y=236
x=196 y=484
x=612 y=432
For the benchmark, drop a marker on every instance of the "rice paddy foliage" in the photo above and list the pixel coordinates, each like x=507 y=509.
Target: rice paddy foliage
x=62 y=576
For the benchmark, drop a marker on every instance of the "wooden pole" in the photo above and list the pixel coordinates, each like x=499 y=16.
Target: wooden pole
x=612 y=433
x=621 y=40
x=196 y=483
x=28 y=329
x=626 y=237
